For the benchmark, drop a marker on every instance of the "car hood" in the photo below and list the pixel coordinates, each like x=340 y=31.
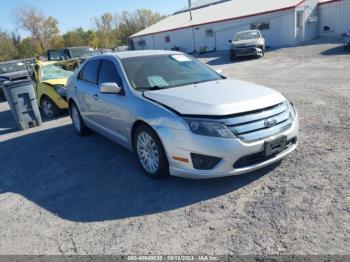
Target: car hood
x=246 y=42
x=53 y=82
x=216 y=98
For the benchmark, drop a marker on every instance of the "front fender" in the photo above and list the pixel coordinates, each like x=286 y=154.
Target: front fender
x=44 y=89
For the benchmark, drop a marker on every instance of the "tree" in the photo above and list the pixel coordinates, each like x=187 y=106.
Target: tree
x=28 y=48
x=105 y=30
x=109 y=31
x=43 y=29
x=80 y=37
x=131 y=23
x=7 y=49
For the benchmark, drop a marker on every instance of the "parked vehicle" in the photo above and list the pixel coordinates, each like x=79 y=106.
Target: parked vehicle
x=247 y=43
x=180 y=116
x=12 y=68
x=50 y=85
x=121 y=48
x=105 y=50
x=70 y=52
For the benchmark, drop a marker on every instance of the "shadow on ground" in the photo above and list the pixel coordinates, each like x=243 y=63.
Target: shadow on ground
x=8 y=124
x=223 y=60
x=88 y=179
x=338 y=50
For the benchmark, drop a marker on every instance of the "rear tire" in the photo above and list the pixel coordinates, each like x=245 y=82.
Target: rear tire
x=77 y=120
x=49 y=108
x=150 y=152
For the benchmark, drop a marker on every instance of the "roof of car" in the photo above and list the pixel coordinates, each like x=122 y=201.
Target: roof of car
x=139 y=53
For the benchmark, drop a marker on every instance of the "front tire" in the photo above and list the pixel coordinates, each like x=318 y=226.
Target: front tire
x=49 y=108
x=233 y=55
x=77 y=121
x=150 y=152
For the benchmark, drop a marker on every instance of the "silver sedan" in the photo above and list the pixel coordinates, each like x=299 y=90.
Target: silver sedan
x=179 y=116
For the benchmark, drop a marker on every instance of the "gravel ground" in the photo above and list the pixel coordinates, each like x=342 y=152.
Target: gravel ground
x=61 y=194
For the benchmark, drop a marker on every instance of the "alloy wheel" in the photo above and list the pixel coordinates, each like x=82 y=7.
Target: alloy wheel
x=76 y=118
x=147 y=152
x=48 y=108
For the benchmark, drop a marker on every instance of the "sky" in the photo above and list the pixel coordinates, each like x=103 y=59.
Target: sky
x=75 y=13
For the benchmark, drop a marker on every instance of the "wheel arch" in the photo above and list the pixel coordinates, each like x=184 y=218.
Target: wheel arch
x=134 y=127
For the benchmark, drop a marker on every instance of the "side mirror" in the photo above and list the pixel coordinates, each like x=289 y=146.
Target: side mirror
x=110 y=88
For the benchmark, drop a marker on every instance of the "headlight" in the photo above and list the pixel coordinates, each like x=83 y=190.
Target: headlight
x=291 y=109
x=207 y=128
x=60 y=90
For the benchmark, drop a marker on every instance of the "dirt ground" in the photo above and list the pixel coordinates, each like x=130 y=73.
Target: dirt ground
x=62 y=194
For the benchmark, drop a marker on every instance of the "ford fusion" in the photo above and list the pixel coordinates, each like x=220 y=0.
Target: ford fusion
x=179 y=116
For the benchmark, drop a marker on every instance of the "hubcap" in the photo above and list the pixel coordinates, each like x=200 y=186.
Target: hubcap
x=147 y=152
x=47 y=108
x=76 y=119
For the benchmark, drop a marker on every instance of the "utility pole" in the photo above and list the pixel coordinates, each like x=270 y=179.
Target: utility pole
x=190 y=8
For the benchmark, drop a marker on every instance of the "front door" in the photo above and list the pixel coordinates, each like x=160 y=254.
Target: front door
x=112 y=109
x=300 y=27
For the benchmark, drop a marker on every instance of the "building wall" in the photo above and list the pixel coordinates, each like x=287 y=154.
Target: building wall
x=286 y=28
x=280 y=33
x=310 y=21
x=335 y=16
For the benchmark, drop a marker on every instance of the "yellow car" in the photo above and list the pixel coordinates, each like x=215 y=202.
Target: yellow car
x=50 y=85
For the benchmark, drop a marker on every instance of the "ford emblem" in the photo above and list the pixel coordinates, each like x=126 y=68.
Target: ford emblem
x=270 y=122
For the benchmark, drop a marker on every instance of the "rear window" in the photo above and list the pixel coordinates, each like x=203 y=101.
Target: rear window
x=90 y=72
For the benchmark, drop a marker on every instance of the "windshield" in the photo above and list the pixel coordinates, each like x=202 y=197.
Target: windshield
x=166 y=71
x=12 y=67
x=49 y=72
x=247 y=36
x=82 y=52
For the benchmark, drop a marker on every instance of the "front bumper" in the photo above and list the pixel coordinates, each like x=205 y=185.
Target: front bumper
x=247 y=51
x=181 y=143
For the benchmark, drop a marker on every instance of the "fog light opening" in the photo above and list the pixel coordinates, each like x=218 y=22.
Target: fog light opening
x=202 y=162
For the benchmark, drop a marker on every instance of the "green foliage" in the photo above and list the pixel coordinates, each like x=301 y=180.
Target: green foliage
x=109 y=31
x=80 y=37
x=7 y=49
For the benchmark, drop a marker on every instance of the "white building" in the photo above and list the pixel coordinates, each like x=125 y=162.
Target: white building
x=213 y=23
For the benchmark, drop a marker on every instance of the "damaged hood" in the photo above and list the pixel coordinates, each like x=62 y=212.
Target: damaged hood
x=53 y=82
x=216 y=98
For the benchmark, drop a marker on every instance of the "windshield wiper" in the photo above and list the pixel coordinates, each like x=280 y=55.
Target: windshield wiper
x=152 y=88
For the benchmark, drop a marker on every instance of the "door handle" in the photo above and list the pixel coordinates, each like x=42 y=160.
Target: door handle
x=96 y=97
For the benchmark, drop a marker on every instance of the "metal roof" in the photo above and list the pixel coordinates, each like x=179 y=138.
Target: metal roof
x=227 y=10
x=200 y=4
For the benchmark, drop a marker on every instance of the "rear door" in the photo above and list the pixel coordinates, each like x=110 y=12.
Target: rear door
x=87 y=90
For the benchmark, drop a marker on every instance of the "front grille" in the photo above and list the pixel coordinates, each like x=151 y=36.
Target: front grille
x=252 y=126
x=245 y=46
x=245 y=50
x=259 y=157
